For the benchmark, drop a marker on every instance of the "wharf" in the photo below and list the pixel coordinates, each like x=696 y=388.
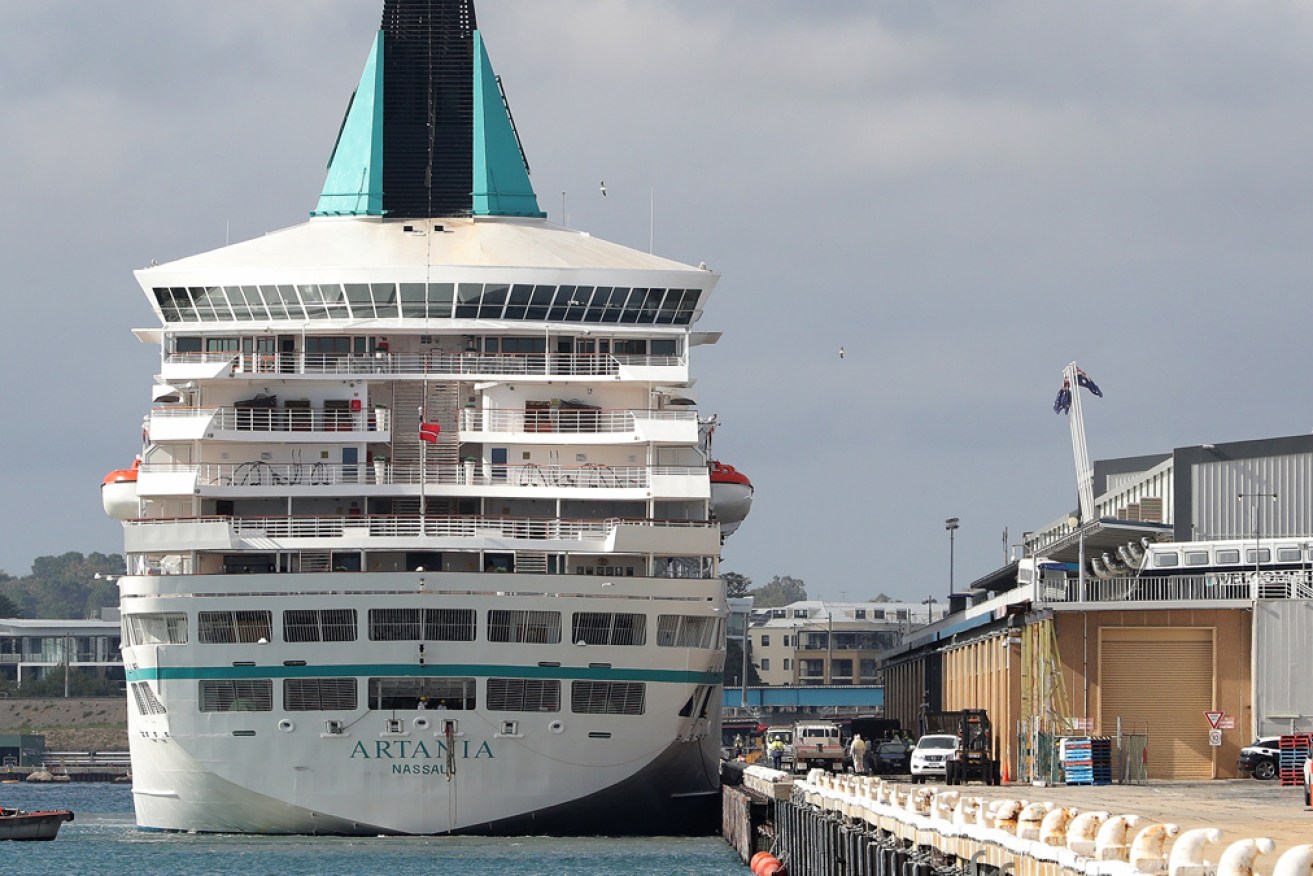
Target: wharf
x=822 y=825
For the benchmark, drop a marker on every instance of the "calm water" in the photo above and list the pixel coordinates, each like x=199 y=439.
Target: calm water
x=104 y=839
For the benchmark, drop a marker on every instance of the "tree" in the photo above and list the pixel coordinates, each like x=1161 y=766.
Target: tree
x=733 y=676
x=781 y=590
x=65 y=586
x=7 y=607
x=736 y=585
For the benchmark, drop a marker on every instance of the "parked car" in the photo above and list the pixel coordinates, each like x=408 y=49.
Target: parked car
x=892 y=757
x=930 y=757
x=1261 y=757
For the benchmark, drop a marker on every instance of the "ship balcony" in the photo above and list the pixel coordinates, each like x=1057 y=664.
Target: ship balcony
x=259 y=478
x=584 y=426
x=182 y=535
x=432 y=366
x=173 y=423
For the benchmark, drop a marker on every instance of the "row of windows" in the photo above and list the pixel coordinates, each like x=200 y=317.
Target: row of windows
x=423 y=625
x=1226 y=557
x=390 y=694
x=519 y=301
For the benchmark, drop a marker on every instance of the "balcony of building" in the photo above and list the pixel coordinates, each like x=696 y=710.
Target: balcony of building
x=269 y=423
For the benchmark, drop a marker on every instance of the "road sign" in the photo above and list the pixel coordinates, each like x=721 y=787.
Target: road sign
x=1214 y=717
x=1214 y=737
x=1227 y=723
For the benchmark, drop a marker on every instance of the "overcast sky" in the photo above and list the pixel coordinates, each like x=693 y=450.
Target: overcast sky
x=965 y=196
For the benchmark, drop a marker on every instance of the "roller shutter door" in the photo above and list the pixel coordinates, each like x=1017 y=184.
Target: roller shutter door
x=1160 y=679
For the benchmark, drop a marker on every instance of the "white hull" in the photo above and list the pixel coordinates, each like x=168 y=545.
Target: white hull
x=398 y=770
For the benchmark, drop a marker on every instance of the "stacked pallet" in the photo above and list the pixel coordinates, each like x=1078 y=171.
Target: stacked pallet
x=1294 y=750
x=1087 y=760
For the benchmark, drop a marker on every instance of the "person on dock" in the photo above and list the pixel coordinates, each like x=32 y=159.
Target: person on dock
x=777 y=752
x=857 y=749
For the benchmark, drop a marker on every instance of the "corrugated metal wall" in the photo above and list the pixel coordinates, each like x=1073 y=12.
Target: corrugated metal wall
x=1283 y=666
x=1218 y=513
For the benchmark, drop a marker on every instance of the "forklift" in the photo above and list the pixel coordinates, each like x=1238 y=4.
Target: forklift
x=974 y=758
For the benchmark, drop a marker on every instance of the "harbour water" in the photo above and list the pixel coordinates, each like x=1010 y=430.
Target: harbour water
x=104 y=840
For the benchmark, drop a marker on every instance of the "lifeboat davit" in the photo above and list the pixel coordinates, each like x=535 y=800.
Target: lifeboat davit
x=731 y=496
x=118 y=492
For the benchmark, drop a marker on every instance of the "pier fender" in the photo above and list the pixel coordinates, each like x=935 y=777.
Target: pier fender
x=1148 y=853
x=1239 y=857
x=966 y=811
x=1005 y=814
x=1082 y=831
x=941 y=805
x=1110 y=844
x=1053 y=829
x=1029 y=820
x=1296 y=861
x=1187 y=855
x=766 y=864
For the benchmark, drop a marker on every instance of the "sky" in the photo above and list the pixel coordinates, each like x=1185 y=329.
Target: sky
x=964 y=196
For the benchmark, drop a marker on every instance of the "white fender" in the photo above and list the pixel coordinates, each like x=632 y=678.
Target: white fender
x=1053 y=829
x=1005 y=816
x=967 y=810
x=1028 y=821
x=1188 y=851
x=1110 y=844
x=1147 y=854
x=941 y=805
x=1083 y=830
x=1296 y=861
x=1239 y=857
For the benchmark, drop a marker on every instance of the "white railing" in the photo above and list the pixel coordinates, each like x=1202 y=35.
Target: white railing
x=299 y=420
x=442 y=364
x=568 y=420
x=1221 y=587
x=412 y=526
x=263 y=474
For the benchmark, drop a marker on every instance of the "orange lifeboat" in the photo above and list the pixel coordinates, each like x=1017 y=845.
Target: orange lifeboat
x=731 y=496
x=118 y=492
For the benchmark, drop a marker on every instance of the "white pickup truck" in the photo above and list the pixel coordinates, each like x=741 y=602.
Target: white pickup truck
x=817 y=744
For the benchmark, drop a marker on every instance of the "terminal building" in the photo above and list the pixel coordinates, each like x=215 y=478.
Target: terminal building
x=30 y=649
x=1176 y=618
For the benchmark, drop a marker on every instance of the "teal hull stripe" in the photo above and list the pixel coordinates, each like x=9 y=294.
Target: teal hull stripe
x=385 y=670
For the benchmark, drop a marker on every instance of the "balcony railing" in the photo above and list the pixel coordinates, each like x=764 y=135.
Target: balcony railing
x=430 y=526
x=1221 y=587
x=262 y=474
x=444 y=364
x=280 y=419
x=567 y=420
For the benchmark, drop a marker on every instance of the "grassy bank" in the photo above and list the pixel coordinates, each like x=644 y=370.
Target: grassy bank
x=99 y=724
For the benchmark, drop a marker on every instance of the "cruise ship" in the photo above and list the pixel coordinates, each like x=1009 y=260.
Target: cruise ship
x=424 y=532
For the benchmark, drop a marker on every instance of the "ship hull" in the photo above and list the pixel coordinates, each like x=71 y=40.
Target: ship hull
x=571 y=767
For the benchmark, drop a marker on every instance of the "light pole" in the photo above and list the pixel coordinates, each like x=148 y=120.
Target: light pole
x=929 y=603
x=951 y=525
x=1258 y=526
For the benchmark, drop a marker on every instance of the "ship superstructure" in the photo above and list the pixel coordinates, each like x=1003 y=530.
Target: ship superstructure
x=422 y=535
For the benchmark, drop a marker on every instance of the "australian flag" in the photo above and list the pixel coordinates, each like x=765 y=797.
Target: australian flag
x=1062 y=404
x=1084 y=380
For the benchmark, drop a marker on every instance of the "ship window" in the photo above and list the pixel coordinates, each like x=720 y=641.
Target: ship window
x=524 y=695
x=221 y=345
x=416 y=624
x=1287 y=555
x=563 y=304
x=436 y=693
x=539 y=303
x=449 y=624
x=1166 y=559
x=669 y=306
x=412 y=300
x=394 y=624
x=232 y=627
x=319 y=694
x=534 y=627
x=687 y=305
x=440 y=297
x=607 y=697
x=651 y=306
x=1262 y=556
x=685 y=631
x=158 y=629
x=236 y=695
x=334 y=301
x=1228 y=556
x=319 y=625
x=467 y=300
x=1196 y=558
x=147 y=702
x=494 y=299
x=187 y=345
x=385 y=300
x=605 y=628
x=357 y=296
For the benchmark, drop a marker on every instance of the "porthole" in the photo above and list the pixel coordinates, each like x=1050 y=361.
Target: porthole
x=421 y=723
x=557 y=727
x=286 y=726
